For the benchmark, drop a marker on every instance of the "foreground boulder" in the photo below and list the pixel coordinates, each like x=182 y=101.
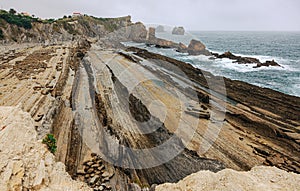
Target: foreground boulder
x=259 y=178
x=178 y=31
x=26 y=163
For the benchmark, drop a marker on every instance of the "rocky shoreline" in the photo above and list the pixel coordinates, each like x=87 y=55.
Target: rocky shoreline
x=101 y=101
x=196 y=47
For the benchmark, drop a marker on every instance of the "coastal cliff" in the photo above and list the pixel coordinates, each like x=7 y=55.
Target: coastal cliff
x=107 y=104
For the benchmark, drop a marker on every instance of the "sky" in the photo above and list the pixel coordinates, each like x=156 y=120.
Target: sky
x=231 y=15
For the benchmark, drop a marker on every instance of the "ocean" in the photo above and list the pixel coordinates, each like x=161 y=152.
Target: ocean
x=283 y=47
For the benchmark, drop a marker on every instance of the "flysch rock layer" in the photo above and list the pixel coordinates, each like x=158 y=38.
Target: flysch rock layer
x=25 y=163
x=259 y=178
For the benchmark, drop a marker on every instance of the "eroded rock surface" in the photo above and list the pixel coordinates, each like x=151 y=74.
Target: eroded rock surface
x=26 y=163
x=259 y=178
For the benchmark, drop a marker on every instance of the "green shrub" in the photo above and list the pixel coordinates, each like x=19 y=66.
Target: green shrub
x=19 y=20
x=50 y=21
x=50 y=141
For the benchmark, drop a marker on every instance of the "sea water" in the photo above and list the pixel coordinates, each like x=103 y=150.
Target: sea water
x=283 y=47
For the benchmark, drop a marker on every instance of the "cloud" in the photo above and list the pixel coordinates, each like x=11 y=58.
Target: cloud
x=193 y=14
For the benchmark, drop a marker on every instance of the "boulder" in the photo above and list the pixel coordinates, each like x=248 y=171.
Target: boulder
x=197 y=48
x=178 y=31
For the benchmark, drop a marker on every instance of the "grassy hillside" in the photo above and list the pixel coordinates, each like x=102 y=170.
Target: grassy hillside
x=19 y=27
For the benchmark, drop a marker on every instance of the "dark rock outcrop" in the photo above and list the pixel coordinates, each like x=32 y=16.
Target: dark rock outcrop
x=245 y=60
x=238 y=59
x=267 y=63
x=178 y=31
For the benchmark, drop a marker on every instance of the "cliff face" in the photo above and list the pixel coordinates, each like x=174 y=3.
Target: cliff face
x=66 y=29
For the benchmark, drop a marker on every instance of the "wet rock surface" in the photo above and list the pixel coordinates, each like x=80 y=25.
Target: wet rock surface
x=245 y=60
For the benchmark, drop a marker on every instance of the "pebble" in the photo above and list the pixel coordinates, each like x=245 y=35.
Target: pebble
x=89 y=171
x=95 y=165
x=100 y=167
x=94 y=180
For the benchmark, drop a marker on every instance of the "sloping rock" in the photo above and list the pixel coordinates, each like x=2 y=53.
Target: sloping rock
x=25 y=163
x=259 y=178
x=178 y=31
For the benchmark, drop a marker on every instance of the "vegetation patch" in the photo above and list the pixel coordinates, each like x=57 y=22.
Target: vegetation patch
x=50 y=141
x=17 y=19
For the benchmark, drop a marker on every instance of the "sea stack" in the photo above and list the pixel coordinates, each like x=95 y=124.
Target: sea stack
x=160 y=28
x=178 y=31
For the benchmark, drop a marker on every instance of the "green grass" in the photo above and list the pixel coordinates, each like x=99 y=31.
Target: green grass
x=50 y=141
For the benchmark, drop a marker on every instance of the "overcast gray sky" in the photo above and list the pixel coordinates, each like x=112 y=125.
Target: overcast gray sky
x=193 y=14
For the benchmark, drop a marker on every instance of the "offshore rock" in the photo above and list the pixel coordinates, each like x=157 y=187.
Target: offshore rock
x=197 y=48
x=245 y=60
x=178 y=31
x=160 y=28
